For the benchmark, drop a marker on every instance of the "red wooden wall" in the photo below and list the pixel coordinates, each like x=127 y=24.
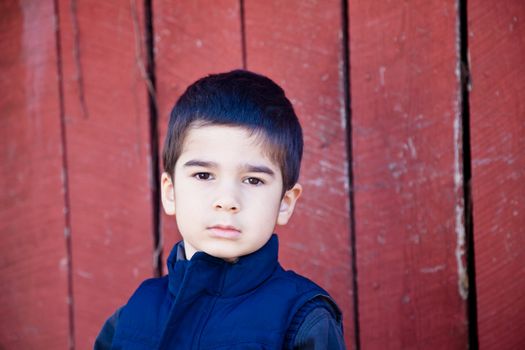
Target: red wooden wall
x=414 y=125
x=407 y=174
x=34 y=271
x=498 y=169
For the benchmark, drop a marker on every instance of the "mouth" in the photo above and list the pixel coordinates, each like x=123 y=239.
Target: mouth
x=224 y=231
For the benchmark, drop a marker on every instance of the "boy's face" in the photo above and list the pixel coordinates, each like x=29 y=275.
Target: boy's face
x=226 y=193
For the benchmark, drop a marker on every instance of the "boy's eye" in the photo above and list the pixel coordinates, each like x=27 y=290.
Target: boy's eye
x=253 y=181
x=202 y=176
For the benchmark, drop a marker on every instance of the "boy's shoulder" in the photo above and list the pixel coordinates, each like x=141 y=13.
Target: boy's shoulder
x=151 y=294
x=312 y=290
x=152 y=286
x=152 y=289
x=290 y=279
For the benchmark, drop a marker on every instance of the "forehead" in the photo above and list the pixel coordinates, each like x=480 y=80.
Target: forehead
x=220 y=142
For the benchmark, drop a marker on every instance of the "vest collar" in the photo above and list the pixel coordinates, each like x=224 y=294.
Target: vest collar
x=205 y=273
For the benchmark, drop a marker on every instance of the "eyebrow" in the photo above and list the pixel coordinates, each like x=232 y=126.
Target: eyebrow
x=246 y=167
x=258 y=169
x=200 y=163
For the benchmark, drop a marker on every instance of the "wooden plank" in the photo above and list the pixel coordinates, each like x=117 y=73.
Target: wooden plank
x=109 y=164
x=33 y=255
x=192 y=39
x=406 y=138
x=298 y=44
x=497 y=119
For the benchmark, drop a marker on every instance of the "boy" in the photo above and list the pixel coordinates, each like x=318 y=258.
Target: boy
x=231 y=163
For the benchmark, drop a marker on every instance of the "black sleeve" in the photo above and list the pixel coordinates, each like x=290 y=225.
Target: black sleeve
x=105 y=337
x=319 y=327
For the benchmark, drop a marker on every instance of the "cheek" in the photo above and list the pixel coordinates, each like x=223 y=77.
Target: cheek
x=192 y=200
x=185 y=197
x=266 y=208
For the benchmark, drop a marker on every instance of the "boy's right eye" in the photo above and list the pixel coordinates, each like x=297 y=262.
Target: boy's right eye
x=202 y=176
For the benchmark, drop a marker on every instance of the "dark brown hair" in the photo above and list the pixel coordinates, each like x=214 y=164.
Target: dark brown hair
x=243 y=99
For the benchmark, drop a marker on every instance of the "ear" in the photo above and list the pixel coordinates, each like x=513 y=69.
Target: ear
x=288 y=204
x=167 y=192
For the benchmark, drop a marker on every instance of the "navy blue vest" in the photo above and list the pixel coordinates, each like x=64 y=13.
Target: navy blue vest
x=208 y=303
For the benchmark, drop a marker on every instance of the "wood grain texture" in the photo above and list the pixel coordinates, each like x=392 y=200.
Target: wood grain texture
x=406 y=140
x=497 y=106
x=192 y=39
x=407 y=158
x=298 y=44
x=33 y=256
x=109 y=165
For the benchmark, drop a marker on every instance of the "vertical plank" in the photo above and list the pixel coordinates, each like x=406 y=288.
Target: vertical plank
x=33 y=256
x=497 y=52
x=298 y=44
x=192 y=39
x=108 y=145
x=406 y=123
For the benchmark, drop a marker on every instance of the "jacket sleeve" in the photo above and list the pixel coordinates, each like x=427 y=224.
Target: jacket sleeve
x=105 y=337
x=319 y=327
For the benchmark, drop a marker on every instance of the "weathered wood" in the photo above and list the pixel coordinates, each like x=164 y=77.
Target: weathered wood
x=497 y=119
x=109 y=165
x=33 y=255
x=406 y=137
x=192 y=39
x=407 y=158
x=298 y=44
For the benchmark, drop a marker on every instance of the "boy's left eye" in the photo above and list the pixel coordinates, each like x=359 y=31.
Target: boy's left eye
x=253 y=181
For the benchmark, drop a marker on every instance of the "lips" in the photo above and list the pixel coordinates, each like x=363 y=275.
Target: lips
x=224 y=231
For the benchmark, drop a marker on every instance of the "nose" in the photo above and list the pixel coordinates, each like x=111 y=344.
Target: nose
x=227 y=201
x=227 y=204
